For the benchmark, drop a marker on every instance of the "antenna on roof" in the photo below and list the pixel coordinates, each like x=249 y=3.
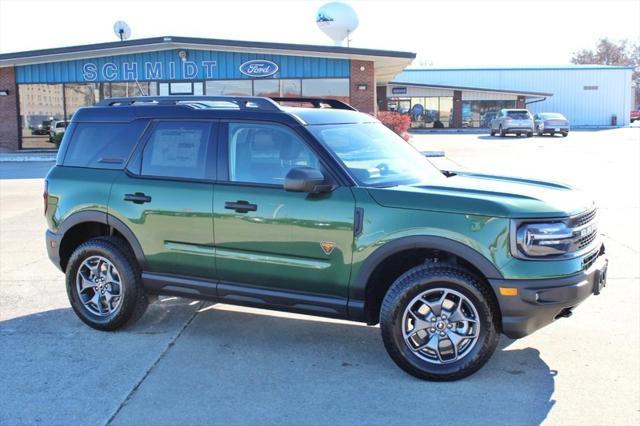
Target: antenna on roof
x=122 y=30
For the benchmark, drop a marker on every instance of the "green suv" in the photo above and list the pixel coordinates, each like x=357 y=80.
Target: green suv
x=319 y=210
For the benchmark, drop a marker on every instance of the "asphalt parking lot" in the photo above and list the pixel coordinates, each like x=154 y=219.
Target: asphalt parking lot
x=190 y=362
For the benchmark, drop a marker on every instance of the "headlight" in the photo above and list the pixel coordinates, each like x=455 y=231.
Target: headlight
x=544 y=239
x=554 y=239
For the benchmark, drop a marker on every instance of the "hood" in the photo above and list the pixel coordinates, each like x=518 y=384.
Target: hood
x=487 y=195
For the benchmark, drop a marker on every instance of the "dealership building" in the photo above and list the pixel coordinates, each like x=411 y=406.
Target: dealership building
x=44 y=86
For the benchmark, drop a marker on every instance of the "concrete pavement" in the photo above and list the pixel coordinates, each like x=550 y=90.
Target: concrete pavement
x=191 y=362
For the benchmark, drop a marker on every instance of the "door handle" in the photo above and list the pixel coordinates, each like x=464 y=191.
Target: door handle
x=138 y=198
x=240 y=206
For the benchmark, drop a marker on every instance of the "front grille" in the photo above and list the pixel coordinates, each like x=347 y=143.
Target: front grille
x=590 y=259
x=583 y=218
x=586 y=240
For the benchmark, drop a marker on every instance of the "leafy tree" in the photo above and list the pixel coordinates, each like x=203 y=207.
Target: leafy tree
x=609 y=52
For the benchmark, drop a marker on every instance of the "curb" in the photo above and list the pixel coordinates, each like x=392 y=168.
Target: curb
x=27 y=157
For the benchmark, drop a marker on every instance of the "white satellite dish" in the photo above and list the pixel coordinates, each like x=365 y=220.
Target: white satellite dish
x=122 y=30
x=337 y=20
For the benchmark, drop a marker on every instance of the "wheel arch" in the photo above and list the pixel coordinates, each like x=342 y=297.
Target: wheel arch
x=98 y=223
x=365 y=293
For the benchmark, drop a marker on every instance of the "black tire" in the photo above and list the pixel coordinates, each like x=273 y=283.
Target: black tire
x=552 y=133
x=492 y=132
x=529 y=134
x=565 y=134
x=518 y=134
x=134 y=302
x=501 y=131
x=416 y=281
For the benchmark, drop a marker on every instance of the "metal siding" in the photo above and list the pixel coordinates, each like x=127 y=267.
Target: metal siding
x=226 y=68
x=581 y=107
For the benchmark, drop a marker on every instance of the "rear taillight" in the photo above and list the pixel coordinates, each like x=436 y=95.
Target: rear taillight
x=45 y=196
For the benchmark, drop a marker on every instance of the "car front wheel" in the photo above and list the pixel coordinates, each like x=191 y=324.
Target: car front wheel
x=438 y=323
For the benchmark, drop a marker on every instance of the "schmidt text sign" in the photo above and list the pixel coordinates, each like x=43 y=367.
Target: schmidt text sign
x=166 y=65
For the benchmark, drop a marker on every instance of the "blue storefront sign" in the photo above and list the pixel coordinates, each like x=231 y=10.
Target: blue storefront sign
x=399 y=90
x=168 y=65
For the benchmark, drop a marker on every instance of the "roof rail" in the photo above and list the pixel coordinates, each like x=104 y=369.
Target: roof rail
x=317 y=102
x=243 y=102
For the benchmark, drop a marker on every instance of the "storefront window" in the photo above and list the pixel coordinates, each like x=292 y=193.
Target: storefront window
x=40 y=105
x=125 y=89
x=428 y=112
x=290 y=87
x=480 y=113
x=266 y=87
x=78 y=95
x=229 y=87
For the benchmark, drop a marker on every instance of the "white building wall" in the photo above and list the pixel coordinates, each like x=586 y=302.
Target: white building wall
x=582 y=107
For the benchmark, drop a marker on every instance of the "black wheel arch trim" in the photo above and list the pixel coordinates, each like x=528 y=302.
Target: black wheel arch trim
x=109 y=220
x=358 y=289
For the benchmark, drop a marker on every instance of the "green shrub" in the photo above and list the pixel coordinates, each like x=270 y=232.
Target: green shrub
x=57 y=139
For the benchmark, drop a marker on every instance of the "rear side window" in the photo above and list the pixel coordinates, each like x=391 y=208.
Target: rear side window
x=102 y=145
x=177 y=149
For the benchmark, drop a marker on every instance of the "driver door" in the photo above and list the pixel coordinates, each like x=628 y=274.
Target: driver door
x=266 y=238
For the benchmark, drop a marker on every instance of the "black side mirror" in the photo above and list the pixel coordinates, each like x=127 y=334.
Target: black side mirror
x=305 y=179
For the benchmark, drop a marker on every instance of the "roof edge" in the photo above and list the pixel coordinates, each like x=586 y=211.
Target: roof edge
x=205 y=42
x=543 y=68
x=475 y=89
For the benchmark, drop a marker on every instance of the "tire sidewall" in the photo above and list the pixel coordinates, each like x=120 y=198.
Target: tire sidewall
x=391 y=326
x=128 y=282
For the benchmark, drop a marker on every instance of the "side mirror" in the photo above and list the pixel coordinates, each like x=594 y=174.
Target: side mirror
x=305 y=179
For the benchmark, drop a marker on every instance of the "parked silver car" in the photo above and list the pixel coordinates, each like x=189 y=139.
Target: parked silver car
x=551 y=123
x=515 y=121
x=57 y=127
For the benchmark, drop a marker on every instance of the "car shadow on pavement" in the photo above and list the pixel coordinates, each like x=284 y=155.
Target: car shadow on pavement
x=291 y=369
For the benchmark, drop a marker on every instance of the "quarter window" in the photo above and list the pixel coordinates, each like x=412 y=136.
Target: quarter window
x=264 y=153
x=177 y=149
x=103 y=145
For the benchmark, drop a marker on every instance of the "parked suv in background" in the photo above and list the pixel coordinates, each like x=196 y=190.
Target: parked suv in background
x=56 y=128
x=322 y=211
x=515 y=121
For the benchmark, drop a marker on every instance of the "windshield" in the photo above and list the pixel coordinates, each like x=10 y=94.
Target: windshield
x=375 y=155
x=552 y=115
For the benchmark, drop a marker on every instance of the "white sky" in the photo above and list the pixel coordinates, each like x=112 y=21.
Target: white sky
x=443 y=33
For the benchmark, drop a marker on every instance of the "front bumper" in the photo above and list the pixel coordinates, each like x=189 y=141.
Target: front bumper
x=53 y=247
x=540 y=302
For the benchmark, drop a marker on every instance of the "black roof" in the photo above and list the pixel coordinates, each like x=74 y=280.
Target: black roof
x=205 y=42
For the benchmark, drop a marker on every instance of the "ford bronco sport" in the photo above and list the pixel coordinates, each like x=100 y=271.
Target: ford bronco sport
x=320 y=210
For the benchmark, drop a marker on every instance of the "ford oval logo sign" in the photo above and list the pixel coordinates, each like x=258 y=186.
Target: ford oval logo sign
x=259 y=68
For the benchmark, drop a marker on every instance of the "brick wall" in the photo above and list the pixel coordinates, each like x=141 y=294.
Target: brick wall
x=362 y=74
x=9 y=110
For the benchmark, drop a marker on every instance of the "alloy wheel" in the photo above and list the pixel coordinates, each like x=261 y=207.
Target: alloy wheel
x=99 y=286
x=440 y=326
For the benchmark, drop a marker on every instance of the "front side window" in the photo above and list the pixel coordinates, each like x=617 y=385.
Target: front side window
x=264 y=153
x=177 y=149
x=375 y=155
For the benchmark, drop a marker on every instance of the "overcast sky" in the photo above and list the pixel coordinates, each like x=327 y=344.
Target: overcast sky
x=443 y=33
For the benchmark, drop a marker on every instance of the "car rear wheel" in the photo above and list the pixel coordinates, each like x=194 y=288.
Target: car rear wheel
x=565 y=134
x=529 y=134
x=492 y=132
x=438 y=323
x=104 y=284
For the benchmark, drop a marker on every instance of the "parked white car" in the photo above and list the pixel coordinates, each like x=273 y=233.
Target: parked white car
x=57 y=127
x=514 y=121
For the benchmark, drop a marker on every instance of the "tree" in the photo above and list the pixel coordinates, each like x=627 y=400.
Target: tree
x=609 y=52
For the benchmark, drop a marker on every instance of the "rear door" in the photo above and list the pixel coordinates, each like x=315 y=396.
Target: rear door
x=268 y=238
x=165 y=197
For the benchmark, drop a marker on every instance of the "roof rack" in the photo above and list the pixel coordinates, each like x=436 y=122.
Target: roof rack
x=317 y=102
x=242 y=102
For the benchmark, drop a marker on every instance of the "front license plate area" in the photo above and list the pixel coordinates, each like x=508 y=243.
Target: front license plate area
x=600 y=279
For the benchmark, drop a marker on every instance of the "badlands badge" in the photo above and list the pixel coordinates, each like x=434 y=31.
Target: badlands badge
x=327 y=247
